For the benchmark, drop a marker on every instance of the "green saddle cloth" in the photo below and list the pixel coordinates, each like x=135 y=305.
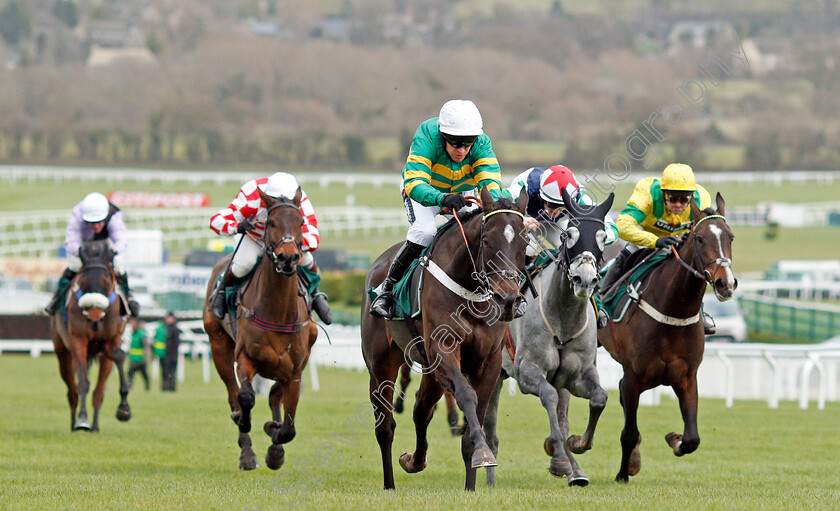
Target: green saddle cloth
x=402 y=290
x=610 y=302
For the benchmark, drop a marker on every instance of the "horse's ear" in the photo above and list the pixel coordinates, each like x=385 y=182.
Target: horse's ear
x=522 y=200
x=266 y=198
x=298 y=196
x=721 y=205
x=486 y=198
x=572 y=206
x=696 y=214
x=604 y=208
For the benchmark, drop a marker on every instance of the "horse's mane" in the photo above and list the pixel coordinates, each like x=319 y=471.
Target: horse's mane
x=709 y=211
x=501 y=203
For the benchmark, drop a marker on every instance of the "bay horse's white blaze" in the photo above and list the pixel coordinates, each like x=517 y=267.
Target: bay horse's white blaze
x=718 y=232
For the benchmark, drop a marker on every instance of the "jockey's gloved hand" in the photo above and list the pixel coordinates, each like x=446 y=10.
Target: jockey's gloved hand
x=453 y=201
x=244 y=226
x=667 y=241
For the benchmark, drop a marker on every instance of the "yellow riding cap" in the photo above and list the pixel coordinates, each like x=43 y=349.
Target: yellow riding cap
x=678 y=176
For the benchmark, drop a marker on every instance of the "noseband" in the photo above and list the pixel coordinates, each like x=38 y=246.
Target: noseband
x=271 y=248
x=111 y=294
x=483 y=275
x=721 y=262
x=565 y=261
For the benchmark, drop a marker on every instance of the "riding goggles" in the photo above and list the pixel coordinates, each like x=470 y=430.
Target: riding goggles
x=459 y=142
x=674 y=198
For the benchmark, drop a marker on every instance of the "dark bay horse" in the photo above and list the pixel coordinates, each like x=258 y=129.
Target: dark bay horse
x=470 y=291
x=661 y=342
x=94 y=323
x=451 y=406
x=555 y=342
x=273 y=334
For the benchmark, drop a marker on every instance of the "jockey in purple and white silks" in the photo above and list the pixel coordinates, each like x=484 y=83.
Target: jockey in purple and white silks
x=94 y=218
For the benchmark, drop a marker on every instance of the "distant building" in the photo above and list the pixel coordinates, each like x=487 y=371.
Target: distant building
x=100 y=57
x=696 y=34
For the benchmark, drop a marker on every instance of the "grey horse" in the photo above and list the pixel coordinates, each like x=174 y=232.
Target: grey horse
x=555 y=343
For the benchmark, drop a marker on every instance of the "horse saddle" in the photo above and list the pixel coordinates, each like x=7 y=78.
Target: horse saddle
x=639 y=265
x=307 y=282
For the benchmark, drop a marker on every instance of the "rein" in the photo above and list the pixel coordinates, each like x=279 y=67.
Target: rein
x=706 y=276
x=270 y=249
x=722 y=262
x=112 y=292
x=479 y=276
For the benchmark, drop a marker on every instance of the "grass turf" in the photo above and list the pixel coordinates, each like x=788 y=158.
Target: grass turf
x=179 y=452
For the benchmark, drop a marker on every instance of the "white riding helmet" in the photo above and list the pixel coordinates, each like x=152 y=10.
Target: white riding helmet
x=460 y=118
x=281 y=184
x=95 y=208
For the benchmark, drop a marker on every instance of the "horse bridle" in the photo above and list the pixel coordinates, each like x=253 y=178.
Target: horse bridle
x=721 y=262
x=271 y=248
x=565 y=260
x=100 y=266
x=482 y=276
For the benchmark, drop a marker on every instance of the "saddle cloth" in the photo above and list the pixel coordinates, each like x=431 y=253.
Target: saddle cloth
x=307 y=284
x=406 y=292
x=617 y=298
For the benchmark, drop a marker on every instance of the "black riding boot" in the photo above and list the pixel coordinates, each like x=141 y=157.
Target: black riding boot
x=383 y=306
x=709 y=327
x=218 y=304
x=133 y=306
x=60 y=289
x=321 y=307
x=614 y=272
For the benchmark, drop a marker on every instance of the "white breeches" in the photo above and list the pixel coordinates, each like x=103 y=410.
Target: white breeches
x=248 y=254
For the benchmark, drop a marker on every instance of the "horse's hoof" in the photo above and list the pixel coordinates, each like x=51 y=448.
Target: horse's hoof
x=123 y=414
x=81 y=425
x=675 y=441
x=275 y=457
x=483 y=457
x=458 y=430
x=576 y=445
x=622 y=478
x=407 y=463
x=248 y=462
x=235 y=416
x=560 y=468
x=635 y=462
x=399 y=406
x=578 y=480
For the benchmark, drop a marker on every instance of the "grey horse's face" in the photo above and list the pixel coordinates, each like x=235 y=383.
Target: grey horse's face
x=583 y=268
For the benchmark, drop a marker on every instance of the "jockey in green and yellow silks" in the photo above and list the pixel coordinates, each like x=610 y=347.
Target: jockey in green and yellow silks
x=659 y=208
x=450 y=157
x=656 y=214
